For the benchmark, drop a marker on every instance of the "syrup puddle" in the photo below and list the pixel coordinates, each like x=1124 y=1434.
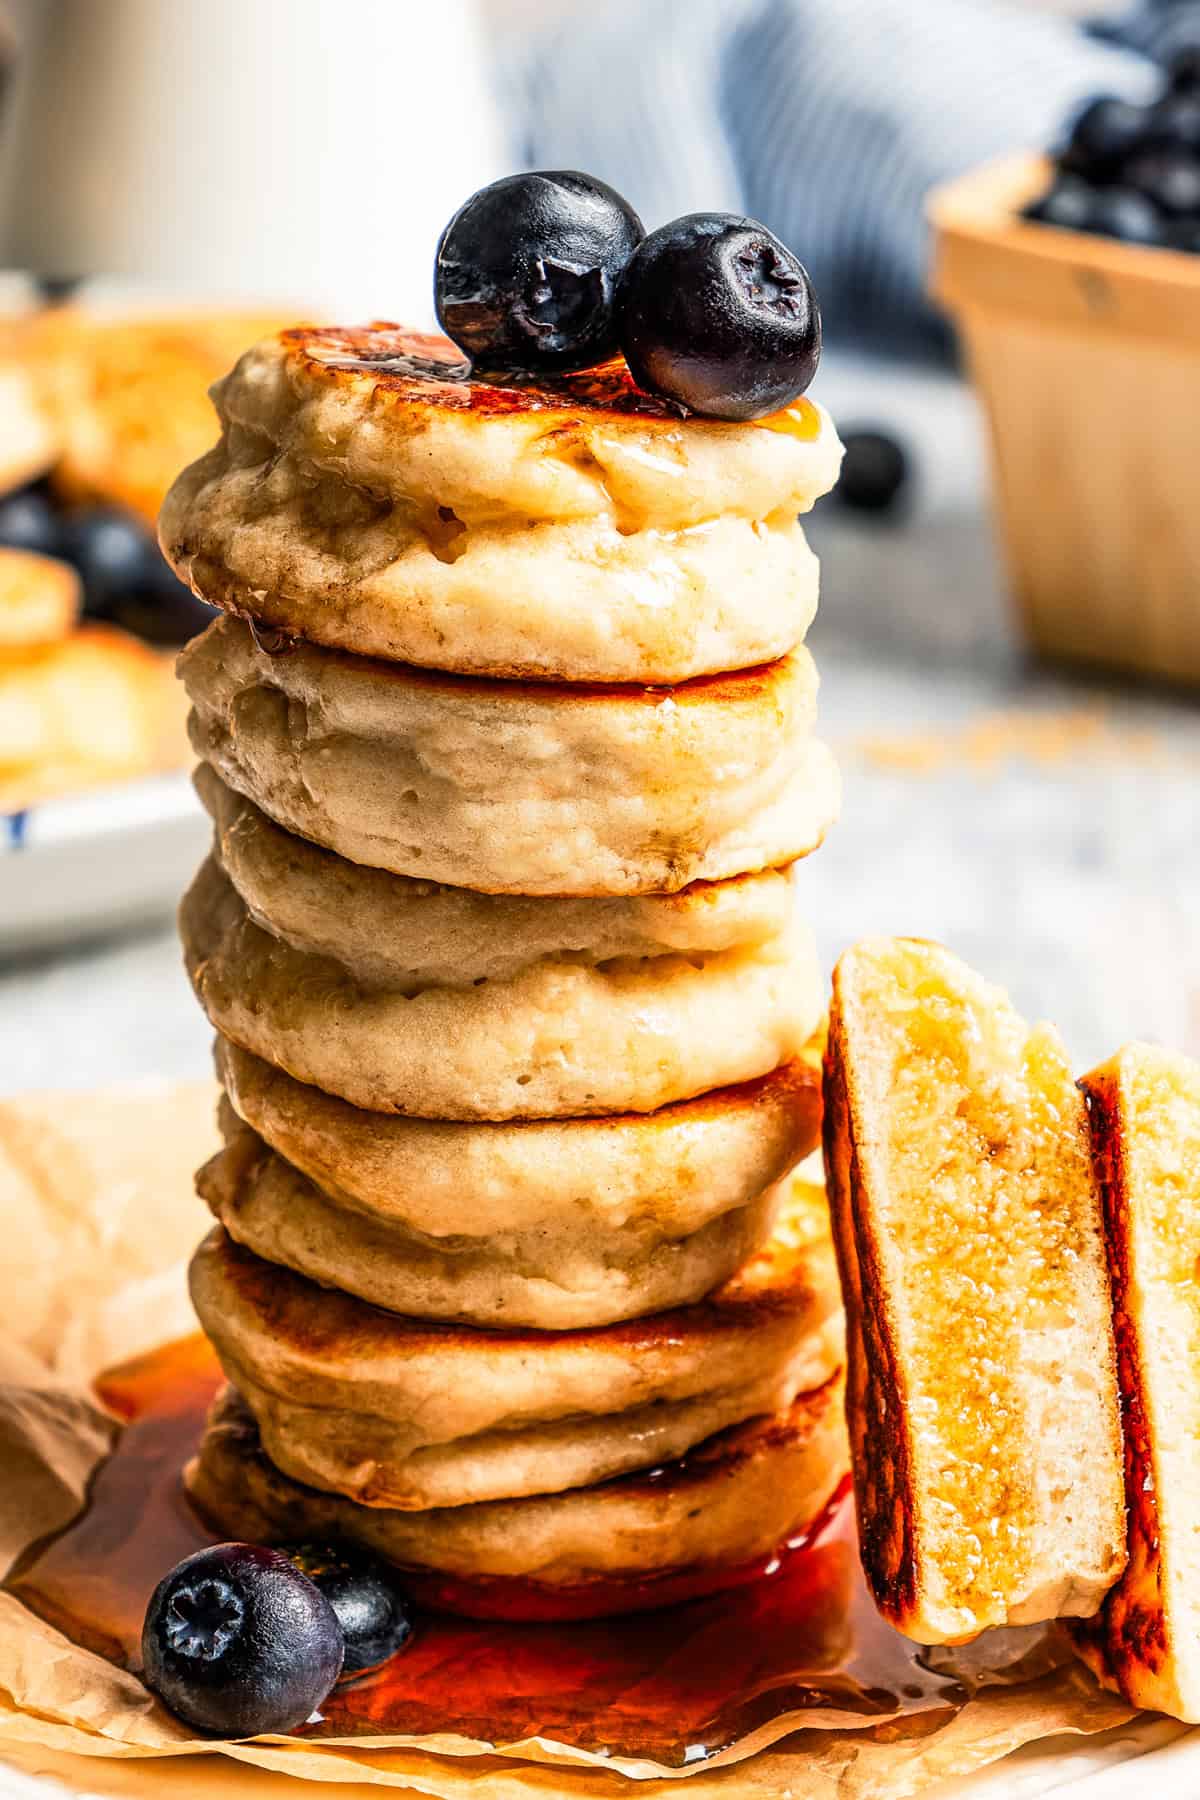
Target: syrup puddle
x=676 y=1688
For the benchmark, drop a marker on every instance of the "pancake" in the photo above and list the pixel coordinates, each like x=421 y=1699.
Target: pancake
x=27 y=441
x=390 y=412
x=586 y=1183
x=511 y=787
x=394 y=1412
x=731 y=1500
x=496 y=1278
x=127 y=395
x=88 y=710
x=40 y=600
x=558 y=1040
x=409 y=933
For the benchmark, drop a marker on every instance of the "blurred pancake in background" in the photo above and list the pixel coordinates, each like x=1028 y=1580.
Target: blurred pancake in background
x=128 y=396
x=39 y=600
x=27 y=436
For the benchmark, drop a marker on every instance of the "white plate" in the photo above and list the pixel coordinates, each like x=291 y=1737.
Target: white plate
x=97 y=861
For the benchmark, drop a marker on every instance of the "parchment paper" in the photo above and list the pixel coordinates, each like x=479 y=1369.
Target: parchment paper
x=97 y=1217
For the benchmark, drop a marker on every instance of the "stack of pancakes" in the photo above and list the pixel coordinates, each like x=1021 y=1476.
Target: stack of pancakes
x=507 y=738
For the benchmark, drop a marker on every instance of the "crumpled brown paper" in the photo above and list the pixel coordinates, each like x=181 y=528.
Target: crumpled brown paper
x=97 y=1217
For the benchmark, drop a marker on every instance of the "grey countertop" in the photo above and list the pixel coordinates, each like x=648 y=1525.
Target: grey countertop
x=1043 y=825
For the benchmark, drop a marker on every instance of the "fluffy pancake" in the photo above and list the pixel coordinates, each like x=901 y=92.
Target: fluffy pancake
x=556 y=1040
x=510 y=787
x=585 y=1182
x=496 y=1278
x=394 y=1412
x=39 y=600
x=409 y=933
x=27 y=441
x=128 y=395
x=568 y=600
x=90 y=709
x=732 y=1499
x=390 y=412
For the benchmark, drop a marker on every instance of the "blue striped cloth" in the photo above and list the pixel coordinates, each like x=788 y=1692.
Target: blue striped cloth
x=829 y=120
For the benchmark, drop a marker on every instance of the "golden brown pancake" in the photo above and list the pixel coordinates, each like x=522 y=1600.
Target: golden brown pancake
x=128 y=395
x=393 y=1412
x=39 y=600
x=367 y=496
x=514 y=787
x=90 y=709
x=557 y=1040
x=734 y=1498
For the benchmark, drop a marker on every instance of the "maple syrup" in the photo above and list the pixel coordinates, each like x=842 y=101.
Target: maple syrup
x=798 y=1635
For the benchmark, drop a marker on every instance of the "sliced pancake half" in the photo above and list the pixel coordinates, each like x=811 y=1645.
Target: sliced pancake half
x=516 y=787
x=395 y=1412
x=1144 y=1109
x=642 y=1541
x=982 y=1398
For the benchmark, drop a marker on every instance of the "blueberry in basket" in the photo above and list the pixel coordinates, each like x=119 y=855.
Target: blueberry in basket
x=717 y=314
x=1132 y=172
x=238 y=1642
x=526 y=272
x=372 y=1610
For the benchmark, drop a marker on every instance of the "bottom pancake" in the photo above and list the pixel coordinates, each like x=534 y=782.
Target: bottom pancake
x=646 y=1540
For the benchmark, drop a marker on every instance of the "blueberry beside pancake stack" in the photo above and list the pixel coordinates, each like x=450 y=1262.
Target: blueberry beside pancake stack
x=507 y=738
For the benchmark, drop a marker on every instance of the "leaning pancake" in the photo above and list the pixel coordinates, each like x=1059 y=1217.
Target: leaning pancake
x=657 y=1177
x=536 y=1277
x=511 y=787
x=641 y=1541
x=394 y=1412
x=557 y=1040
x=409 y=933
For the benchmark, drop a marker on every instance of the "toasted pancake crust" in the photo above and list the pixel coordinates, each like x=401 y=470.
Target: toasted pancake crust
x=556 y=1041
x=734 y=1498
x=668 y=1173
x=394 y=1412
x=408 y=934
x=540 y=1279
x=1144 y=1114
x=514 y=787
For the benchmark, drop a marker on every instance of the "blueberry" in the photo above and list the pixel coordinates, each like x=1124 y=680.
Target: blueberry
x=527 y=270
x=1185 y=235
x=28 y=521
x=127 y=580
x=1170 y=179
x=237 y=1642
x=111 y=551
x=1183 y=70
x=371 y=1608
x=717 y=314
x=1123 y=213
x=1069 y=204
x=1105 y=134
x=1175 y=123
x=874 y=470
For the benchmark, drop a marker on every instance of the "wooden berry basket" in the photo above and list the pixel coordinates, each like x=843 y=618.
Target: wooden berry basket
x=1086 y=355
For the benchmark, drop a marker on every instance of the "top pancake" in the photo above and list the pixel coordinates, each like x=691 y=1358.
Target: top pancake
x=367 y=494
